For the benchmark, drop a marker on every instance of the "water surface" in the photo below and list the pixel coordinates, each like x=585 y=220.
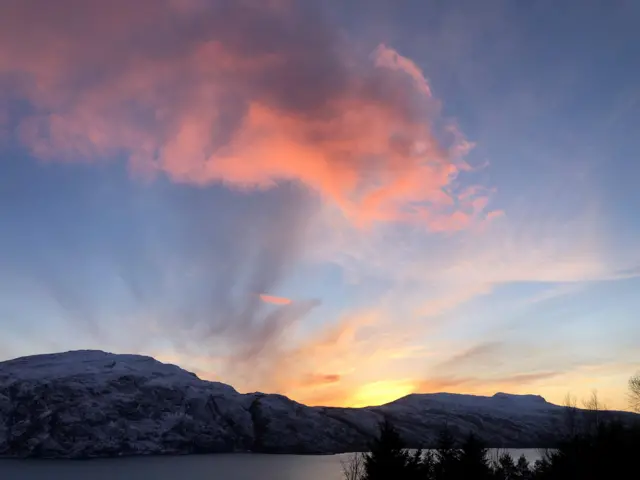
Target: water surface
x=192 y=467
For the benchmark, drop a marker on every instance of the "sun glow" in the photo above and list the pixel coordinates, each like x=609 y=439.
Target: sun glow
x=379 y=393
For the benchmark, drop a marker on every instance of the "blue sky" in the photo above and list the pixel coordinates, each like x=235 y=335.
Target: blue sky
x=344 y=204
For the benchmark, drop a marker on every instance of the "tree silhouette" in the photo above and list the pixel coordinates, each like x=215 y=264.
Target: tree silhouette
x=473 y=459
x=427 y=465
x=505 y=468
x=419 y=466
x=571 y=414
x=600 y=448
x=608 y=451
x=634 y=392
x=353 y=468
x=594 y=408
x=387 y=458
x=447 y=456
x=523 y=469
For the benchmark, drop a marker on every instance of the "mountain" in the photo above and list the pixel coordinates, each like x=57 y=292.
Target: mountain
x=90 y=403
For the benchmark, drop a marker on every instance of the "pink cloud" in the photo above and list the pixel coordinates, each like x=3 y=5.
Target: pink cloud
x=245 y=94
x=388 y=58
x=272 y=299
x=495 y=214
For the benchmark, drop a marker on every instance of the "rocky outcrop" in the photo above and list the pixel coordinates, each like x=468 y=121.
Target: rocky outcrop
x=91 y=403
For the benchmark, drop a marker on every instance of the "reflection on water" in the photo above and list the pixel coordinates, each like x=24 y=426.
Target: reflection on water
x=192 y=467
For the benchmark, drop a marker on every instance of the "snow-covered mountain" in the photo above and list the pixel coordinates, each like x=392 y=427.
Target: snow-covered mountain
x=92 y=403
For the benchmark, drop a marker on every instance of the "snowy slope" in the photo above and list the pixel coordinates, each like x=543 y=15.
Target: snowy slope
x=96 y=366
x=91 y=403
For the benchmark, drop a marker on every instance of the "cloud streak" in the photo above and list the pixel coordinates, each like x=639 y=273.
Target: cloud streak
x=274 y=300
x=477 y=353
x=485 y=385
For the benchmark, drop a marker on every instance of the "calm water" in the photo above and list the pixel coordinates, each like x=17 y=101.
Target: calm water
x=193 y=467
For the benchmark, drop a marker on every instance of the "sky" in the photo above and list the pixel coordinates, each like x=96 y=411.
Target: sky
x=341 y=201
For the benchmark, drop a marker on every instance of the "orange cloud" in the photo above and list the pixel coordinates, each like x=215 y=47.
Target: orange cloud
x=482 y=385
x=358 y=349
x=316 y=380
x=293 y=368
x=379 y=392
x=446 y=301
x=176 y=88
x=363 y=359
x=272 y=299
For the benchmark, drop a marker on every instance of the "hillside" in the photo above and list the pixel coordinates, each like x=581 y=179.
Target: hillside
x=91 y=403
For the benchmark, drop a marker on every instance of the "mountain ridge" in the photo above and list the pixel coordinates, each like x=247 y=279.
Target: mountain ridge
x=90 y=403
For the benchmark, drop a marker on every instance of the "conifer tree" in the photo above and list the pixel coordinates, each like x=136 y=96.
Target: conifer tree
x=523 y=470
x=505 y=468
x=447 y=456
x=387 y=458
x=473 y=459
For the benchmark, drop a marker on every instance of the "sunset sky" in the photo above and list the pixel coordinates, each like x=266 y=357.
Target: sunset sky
x=344 y=201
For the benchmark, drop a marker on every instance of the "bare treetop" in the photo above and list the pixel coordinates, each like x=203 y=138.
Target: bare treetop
x=634 y=392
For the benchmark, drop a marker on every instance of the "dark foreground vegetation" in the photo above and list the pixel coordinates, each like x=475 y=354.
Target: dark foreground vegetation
x=589 y=448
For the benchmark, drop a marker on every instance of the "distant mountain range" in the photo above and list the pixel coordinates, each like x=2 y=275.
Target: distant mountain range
x=90 y=403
